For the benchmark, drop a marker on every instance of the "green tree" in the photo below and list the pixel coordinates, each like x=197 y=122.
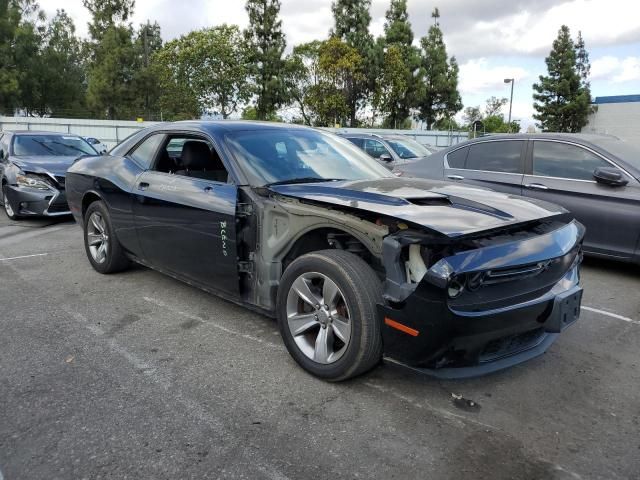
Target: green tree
x=62 y=84
x=212 y=67
x=145 y=83
x=302 y=78
x=438 y=95
x=338 y=65
x=107 y=14
x=352 y=19
x=563 y=98
x=267 y=43
x=494 y=106
x=389 y=98
x=398 y=33
x=19 y=45
x=114 y=61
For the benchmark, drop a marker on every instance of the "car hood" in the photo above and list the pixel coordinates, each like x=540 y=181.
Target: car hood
x=54 y=164
x=449 y=209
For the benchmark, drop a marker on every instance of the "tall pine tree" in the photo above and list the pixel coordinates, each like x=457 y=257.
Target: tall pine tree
x=352 y=19
x=267 y=43
x=398 y=38
x=110 y=89
x=438 y=90
x=563 y=97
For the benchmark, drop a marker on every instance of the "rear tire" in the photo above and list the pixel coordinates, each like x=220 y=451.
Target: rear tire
x=100 y=242
x=327 y=314
x=8 y=209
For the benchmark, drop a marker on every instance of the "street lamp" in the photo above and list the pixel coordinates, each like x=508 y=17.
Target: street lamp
x=511 y=81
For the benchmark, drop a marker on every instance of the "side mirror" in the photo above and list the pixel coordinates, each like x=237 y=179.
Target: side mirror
x=610 y=176
x=385 y=157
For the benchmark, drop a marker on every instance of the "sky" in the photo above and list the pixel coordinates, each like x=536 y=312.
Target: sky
x=491 y=39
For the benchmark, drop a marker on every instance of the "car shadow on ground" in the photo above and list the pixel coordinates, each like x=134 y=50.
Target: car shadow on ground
x=629 y=270
x=37 y=222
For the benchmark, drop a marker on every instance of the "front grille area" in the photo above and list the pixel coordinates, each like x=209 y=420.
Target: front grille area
x=58 y=208
x=511 y=345
x=503 y=287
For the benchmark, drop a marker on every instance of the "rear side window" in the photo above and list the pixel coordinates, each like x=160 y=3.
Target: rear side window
x=144 y=153
x=457 y=158
x=355 y=141
x=554 y=159
x=496 y=156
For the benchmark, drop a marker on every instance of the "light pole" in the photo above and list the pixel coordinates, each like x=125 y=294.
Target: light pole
x=511 y=81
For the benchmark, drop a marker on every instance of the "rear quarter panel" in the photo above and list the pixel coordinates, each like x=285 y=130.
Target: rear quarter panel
x=112 y=179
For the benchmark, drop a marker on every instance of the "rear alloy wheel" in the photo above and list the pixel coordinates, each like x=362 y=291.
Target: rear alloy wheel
x=327 y=314
x=101 y=244
x=7 y=205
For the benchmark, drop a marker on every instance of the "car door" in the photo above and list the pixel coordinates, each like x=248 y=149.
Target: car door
x=562 y=172
x=496 y=164
x=185 y=217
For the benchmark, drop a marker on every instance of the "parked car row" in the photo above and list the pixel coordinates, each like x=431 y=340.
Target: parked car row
x=391 y=151
x=33 y=166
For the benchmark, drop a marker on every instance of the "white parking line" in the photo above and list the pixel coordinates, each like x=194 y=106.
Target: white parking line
x=18 y=258
x=612 y=315
x=225 y=329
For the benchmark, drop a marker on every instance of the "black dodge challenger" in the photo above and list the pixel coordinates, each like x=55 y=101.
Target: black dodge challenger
x=355 y=263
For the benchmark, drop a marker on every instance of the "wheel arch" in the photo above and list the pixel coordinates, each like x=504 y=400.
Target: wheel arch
x=88 y=198
x=326 y=236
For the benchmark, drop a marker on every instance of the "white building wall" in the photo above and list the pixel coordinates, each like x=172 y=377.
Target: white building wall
x=619 y=119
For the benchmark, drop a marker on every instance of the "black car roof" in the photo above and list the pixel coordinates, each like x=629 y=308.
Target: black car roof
x=227 y=125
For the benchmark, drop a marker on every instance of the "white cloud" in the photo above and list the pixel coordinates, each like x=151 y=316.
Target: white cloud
x=477 y=76
x=616 y=70
x=531 y=30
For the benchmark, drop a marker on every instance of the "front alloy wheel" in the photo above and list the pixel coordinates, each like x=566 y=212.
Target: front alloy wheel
x=318 y=317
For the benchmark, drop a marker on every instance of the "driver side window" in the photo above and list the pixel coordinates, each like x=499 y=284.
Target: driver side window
x=375 y=148
x=561 y=160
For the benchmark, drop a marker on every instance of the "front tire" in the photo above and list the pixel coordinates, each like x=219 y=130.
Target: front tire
x=101 y=244
x=327 y=315
x=8 y=209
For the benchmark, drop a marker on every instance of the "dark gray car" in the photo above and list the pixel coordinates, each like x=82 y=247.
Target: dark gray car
x=596 y=177
x=33 y=167
x=389 y=150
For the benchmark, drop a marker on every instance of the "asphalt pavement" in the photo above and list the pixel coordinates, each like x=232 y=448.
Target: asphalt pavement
x=136 y=375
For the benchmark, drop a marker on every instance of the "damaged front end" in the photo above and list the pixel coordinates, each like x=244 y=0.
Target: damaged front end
x=470 y=305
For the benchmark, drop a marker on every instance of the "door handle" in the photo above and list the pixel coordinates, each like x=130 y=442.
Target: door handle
x=455 y=177
x=143 y=186
x=536 y=186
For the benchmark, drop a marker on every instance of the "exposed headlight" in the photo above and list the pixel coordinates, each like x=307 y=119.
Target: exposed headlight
x=455 y=288
x=32 y=181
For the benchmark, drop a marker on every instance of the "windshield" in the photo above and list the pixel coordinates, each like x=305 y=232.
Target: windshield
x=624 y=151
x=57 y=145
x=279 y=155
x=407 y=148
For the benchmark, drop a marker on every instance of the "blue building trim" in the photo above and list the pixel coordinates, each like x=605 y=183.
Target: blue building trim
x=617 y=99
